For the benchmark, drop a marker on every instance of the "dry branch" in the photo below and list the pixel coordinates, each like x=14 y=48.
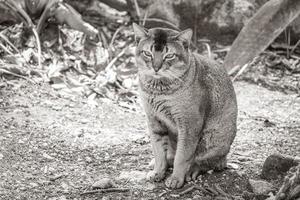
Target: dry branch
x=106 y=190
x=291 y=187
x=16 y=75
x=189 y=189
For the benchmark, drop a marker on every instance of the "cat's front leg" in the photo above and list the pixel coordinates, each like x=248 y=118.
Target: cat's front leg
x=159 y=141
x=188 y=138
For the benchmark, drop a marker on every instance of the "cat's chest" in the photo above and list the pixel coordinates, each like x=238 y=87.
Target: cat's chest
x=164 y=108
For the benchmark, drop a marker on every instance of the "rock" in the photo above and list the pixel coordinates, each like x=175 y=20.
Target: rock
x=103 y=184
x=277 y=164
x=260 y=187
x=232 y=166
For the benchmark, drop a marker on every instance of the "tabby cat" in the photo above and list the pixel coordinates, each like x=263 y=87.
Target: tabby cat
x=190 y=105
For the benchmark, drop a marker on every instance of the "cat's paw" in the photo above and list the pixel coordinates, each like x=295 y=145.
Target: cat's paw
x=174 y=182
x=156 y=176
x=193 y=173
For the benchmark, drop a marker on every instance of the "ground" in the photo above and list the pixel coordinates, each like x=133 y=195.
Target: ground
x=57 y=148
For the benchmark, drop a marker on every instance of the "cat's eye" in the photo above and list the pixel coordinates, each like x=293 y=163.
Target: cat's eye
x=147 y=54
x=170 y=56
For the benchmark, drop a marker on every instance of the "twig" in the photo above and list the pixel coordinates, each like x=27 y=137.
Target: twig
x=112 y=62
x=137 y=8
x=240 y=72
x=189 y=189
x=295 y=46
x=208 y=49
x=106 y=190
x=163 y=193
x=203 y=190
x=17 y=75
x=8 y=42
x=234 y=69
x=6 y=49
x=115 y=35
x=287 y=34
x=38 y=42
x=295 y=57
x=103 y=37
x=30 y=134
x=221 y=192
x=212 y=190
x=57 y=177
x=145 y=17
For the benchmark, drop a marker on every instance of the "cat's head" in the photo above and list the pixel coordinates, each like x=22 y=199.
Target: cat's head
x=162 y=53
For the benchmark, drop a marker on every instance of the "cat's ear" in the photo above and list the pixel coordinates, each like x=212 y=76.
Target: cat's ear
x=186 y=37
x=140 y=32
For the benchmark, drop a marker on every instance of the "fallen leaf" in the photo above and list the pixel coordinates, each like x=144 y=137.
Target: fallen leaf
x=103 y=184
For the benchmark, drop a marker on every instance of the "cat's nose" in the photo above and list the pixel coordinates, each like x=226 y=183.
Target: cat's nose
x=157 y=63
x=157 y=66
x=156 y=69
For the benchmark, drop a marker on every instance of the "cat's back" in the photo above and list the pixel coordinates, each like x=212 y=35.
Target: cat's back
x=212 y=74
x=217 y=83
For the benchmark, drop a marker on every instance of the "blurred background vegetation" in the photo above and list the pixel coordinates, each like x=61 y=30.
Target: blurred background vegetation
x=86 y=47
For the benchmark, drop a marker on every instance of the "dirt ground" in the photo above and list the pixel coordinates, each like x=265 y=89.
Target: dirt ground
x=57 y=148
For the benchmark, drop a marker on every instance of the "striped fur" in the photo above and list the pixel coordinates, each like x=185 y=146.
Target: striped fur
x=190 y=105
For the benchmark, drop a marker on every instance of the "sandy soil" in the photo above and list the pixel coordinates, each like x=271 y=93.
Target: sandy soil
x=55 y=148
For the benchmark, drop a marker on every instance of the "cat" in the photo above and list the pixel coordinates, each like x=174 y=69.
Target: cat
x=190 y=104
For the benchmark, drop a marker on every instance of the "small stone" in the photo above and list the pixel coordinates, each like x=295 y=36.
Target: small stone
x=88 y=159
x=22 y=188
x=127 y=83
x=277 y=164
x=197 y=197
x=47 y=156
x=65 y=187
x=33 y=185
x=232 y=166
x=260 y=187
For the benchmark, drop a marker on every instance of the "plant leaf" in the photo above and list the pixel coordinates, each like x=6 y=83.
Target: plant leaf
x=262 y=29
